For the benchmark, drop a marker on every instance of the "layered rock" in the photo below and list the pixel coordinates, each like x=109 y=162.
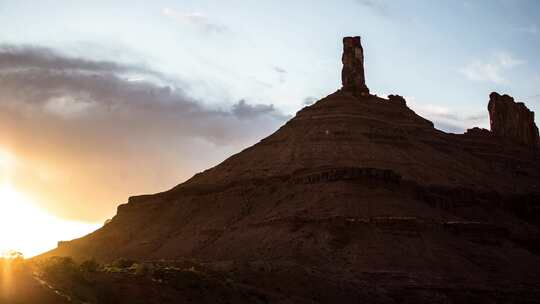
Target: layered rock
x=352 y=75
x=354 y=194
x=512 y=120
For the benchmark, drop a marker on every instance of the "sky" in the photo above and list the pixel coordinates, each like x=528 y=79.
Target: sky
x=101 y=100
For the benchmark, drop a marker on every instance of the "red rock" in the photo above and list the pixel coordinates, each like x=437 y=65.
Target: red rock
x=512 y=120
x=355 y=199
x=352 y=75
x=397 y=98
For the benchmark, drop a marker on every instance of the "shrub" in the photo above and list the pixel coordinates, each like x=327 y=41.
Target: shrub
x=142 y=269
x=61 y=268
x=90 y=266
x=123 y=263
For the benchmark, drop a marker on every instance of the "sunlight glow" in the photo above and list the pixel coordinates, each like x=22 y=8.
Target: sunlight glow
x=5 y=157
x=6 y=160
x=30 y=230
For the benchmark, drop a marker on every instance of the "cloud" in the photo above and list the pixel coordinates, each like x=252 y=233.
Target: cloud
x=492 y=70
x=445 y=119
x=370 y=3
x=88 y=133
x=244 y=110
x=379 y=6
x=281 y=72
x=196 y=20
x=25 y=57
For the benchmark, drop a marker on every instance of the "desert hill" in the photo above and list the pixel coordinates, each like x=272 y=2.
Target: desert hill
x=355 y=198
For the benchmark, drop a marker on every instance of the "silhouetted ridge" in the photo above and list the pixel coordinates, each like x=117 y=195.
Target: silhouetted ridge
x=356 y=198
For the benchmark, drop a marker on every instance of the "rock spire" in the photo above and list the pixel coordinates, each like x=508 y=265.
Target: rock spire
x=352 y=75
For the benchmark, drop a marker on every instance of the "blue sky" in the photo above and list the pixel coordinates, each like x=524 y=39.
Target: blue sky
x=134 y=97
x=445 y=56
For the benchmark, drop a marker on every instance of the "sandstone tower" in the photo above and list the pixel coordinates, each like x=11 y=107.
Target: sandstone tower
x=352 y=75
x=512 y=120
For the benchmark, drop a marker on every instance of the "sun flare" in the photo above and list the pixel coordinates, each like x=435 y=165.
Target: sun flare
x=29 y=229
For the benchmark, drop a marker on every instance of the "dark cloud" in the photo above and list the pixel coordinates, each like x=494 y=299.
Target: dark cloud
x=244 y=110
x=23 y=57
x=88 y=135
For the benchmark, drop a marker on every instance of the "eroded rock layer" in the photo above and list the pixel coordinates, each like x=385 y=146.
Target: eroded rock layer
x=356 y=198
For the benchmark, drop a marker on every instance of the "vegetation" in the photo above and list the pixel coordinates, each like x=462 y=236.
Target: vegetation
x=143 y=269
x=90 y=266
x=74 y=280
x=123 y=263
x=124 y=280
x=60 y=269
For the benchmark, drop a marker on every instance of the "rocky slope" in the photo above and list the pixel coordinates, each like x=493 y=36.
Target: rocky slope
x=355 y=198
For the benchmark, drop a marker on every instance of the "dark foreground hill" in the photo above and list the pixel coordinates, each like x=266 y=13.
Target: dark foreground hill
x=355 y=198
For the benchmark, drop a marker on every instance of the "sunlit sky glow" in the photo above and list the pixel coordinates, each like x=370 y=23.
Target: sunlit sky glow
x=24 y=226
x=100 y=100
x=30 y=230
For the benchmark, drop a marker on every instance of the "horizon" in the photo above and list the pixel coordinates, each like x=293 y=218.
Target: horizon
x=91 y=114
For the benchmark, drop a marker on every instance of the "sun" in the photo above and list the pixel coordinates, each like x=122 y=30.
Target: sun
x=26 y=228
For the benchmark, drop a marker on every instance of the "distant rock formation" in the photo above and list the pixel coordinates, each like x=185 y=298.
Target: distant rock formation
x=352 y=75
x=512 y=120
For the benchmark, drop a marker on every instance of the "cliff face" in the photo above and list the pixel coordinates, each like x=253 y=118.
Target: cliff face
x=354 y=193
x=512 y=120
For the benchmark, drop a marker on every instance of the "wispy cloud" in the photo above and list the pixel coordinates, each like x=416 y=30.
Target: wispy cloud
x=491 y=70
x=197 y=20
x=281 y=72
x=379 y=6
x=80 y=122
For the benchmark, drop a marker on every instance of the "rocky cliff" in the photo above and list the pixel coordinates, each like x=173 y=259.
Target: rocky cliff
x=356 y=198
x=512 y=120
